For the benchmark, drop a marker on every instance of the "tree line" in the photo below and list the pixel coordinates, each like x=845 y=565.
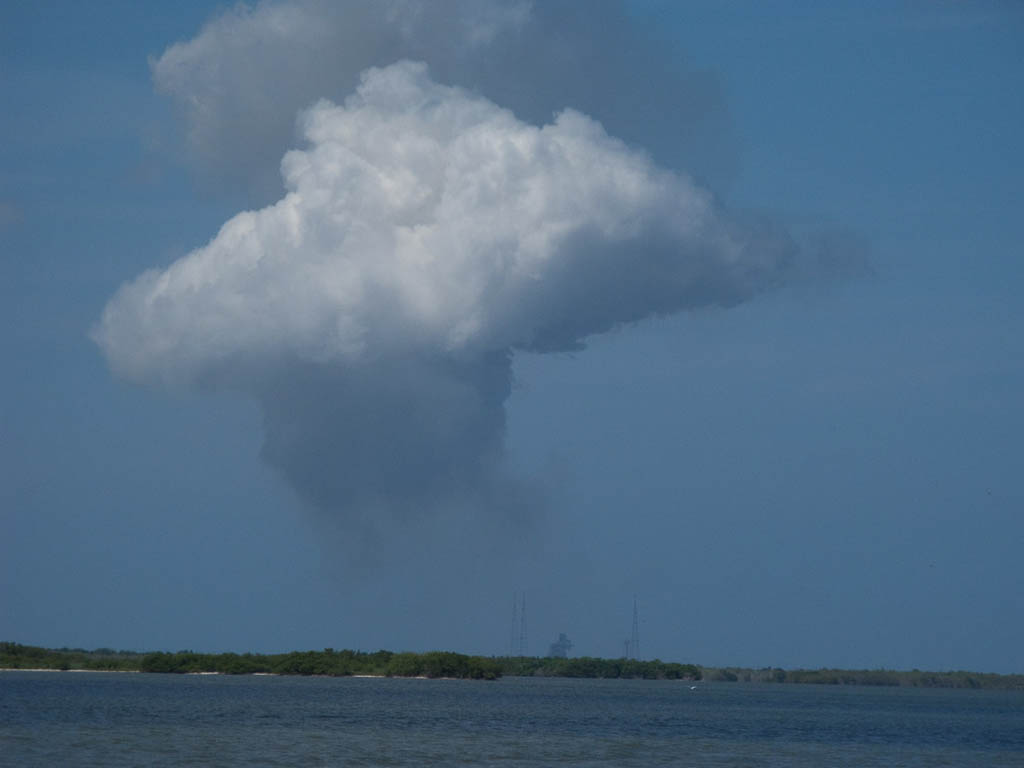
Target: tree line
x=327 y=662
x=438 y=664
x=588 y=666
x=914 y=678
x=344 y=663
x=17 y=656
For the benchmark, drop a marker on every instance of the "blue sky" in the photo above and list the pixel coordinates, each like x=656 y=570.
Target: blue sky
x=824 y=473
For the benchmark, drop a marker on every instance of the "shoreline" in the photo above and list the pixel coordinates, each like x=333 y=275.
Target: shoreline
x=52 y=669
x=222 y=674
x=692 y=683
x=434 y=665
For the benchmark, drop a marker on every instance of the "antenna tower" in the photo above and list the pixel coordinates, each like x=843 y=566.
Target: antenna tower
x=517 y=634
x=522 y=626
x=634 y=640
x=512 y=646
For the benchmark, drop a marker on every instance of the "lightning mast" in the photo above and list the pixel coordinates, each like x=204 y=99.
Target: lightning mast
x=512 y=644
x=517 y=635
x=634 y=640
x=522 y=626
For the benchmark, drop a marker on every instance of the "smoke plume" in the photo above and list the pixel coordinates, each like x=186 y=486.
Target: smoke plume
x=240 y=82
x=425 y=236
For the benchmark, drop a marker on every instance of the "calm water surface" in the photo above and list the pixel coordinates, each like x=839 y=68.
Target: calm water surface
x=109 y=719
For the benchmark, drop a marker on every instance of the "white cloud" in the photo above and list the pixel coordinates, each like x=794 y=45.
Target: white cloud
x=425 y=235
x=239 y=83
x=422 y=217
x=241 y=80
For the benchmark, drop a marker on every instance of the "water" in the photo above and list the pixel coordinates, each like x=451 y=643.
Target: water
x=110 y=719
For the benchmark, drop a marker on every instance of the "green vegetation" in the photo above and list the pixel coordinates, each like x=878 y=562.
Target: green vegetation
x=15 y=656
x=586 y=666
x=341 y=664
x=882 y=677
x=325 y=662
x=437 y=664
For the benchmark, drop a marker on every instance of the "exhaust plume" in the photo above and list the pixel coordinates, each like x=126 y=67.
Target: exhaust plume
x=426 y=235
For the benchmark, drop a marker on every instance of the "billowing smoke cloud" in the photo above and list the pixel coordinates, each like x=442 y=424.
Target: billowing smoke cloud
x=425 y=236
x=240 y=82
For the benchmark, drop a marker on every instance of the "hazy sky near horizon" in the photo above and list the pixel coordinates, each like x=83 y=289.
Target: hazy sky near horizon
x=335 y=324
